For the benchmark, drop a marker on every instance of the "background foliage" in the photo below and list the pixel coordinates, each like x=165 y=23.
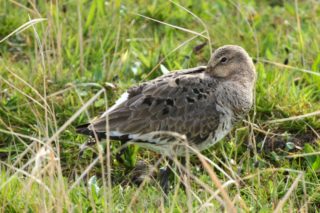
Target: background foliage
x=49 y=70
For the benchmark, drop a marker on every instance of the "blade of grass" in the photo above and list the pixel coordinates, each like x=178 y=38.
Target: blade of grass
x=288 y=66
x=200 y=21
x=283 y=200
x=293 y=118
x=173 y=26
x=23 y=27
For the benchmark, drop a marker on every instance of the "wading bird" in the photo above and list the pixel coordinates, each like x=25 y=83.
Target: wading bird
x=201 y=103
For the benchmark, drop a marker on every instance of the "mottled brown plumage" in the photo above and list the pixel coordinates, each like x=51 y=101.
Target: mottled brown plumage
x=201 y=103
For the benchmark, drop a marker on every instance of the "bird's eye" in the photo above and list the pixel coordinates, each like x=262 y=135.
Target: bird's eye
x=223 y=60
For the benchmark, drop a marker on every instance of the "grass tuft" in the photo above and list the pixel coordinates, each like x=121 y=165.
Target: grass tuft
x=64 y=62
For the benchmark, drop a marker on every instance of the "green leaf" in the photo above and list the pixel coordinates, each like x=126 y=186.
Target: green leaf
x=316 y=164
x=83 y=93
x=314 y=160
x=100 y=7
x=99 y=103
x=309 y=149
x=316 y=64
x=93 y=184
x=290 y=145
x=91 y=15
x=275 y=156
x=130 y=156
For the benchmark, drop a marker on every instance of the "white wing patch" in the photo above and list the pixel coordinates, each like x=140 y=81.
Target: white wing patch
x=119 y=134
x=122 y=99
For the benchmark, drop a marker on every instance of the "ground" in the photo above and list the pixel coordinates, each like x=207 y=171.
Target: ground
x=63 y=70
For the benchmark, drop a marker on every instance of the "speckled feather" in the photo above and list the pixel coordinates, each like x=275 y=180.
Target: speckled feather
x=201 y=103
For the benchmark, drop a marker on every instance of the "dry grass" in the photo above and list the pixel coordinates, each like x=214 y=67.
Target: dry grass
x=53 y=76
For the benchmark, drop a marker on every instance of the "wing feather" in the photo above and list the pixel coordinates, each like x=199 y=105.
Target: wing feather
x=181 y=102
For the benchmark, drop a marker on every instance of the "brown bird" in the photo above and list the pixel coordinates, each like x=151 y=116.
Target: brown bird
x=201 y=103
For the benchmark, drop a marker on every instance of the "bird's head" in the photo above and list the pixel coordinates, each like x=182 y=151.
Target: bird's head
x=231 y=62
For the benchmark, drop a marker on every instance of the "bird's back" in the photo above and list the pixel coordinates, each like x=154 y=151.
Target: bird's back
x=182 y=102
x=200 y=104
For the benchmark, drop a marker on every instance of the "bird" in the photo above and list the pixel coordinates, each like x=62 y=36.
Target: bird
x=201 y=104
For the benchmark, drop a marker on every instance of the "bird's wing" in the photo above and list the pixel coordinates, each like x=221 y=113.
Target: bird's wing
x=181 y=102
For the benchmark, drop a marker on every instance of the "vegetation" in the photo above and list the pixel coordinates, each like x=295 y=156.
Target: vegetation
x=61 y=71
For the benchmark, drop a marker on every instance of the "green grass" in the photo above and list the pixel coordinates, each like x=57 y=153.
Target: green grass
x=49 y=71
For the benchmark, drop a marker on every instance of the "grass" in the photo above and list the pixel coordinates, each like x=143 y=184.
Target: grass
x=57 y=74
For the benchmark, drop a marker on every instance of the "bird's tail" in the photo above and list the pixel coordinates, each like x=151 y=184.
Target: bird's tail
x=83 y=129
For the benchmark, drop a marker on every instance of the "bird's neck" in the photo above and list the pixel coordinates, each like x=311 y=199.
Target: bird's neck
x=238 y=95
